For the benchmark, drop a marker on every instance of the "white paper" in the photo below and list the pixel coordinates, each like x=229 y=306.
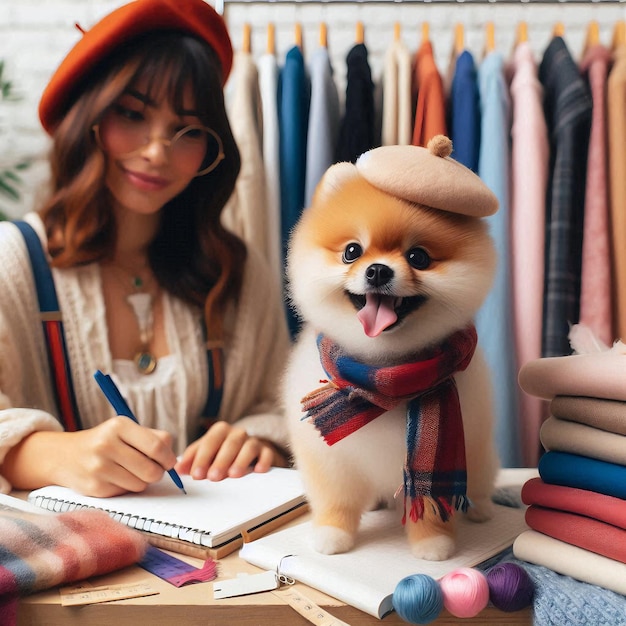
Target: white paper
x=366 y=576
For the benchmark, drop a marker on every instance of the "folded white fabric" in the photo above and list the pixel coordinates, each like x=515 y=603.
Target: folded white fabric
x=556 y=434
x=598 y=374
x=564 y=558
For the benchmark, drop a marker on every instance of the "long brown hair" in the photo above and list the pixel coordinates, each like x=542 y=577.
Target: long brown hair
x=192 y=256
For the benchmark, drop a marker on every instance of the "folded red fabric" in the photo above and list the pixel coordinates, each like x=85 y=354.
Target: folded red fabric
x=39 y=551
x=578 y=530
x=609 y=509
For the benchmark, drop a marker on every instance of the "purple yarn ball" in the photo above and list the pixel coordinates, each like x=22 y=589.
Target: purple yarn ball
x=510 y=587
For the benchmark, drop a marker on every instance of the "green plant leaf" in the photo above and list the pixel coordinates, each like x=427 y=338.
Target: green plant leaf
x=11 y=175
x=8 y=190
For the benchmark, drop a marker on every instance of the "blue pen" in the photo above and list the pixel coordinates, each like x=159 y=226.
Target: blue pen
x=121 y=407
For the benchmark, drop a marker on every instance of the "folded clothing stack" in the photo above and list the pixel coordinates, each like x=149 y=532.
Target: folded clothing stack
x=577 y=507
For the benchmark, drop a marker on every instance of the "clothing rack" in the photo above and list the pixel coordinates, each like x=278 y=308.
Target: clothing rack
x=518 y=2
x=220 y=5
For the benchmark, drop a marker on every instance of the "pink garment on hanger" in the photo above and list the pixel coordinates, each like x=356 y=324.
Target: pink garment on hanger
x=529 y=171
x=595 y=292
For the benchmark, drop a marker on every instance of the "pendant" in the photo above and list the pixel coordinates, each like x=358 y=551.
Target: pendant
x=141 y=304
x=146 y=363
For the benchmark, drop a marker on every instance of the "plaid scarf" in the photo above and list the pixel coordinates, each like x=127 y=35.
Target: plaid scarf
x=357 y=393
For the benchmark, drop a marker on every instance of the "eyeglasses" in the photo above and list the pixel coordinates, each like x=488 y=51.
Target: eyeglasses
x=123 y=133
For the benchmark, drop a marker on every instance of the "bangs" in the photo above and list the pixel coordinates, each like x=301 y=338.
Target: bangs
x=169 y=64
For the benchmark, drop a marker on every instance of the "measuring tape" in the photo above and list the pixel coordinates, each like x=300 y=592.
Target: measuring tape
x=175 y=571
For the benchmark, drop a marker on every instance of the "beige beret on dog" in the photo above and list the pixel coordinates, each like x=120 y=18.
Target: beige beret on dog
x=428 y=176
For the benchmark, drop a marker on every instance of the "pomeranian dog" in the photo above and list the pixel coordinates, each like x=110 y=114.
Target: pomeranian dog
x=387 y=269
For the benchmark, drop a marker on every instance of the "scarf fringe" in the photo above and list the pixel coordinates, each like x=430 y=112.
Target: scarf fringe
x=442 y=506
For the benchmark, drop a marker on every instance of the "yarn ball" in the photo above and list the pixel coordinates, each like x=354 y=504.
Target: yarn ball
x=465 y=592
x=510 y=587
x=418 y=599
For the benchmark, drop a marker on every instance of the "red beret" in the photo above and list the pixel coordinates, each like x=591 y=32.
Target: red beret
x=131 y=20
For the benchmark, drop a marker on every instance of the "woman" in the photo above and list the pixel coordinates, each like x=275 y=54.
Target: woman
x=143 y=162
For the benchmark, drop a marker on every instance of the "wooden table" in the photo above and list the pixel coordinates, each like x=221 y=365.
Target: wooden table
x=194 y=605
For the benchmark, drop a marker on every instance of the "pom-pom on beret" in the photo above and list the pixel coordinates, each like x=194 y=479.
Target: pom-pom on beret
x=428 y=176
x=137 y=18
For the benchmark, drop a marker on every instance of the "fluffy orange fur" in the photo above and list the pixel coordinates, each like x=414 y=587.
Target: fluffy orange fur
x=365 y=469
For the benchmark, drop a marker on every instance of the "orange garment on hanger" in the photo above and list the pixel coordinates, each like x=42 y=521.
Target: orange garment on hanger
x=430 y=111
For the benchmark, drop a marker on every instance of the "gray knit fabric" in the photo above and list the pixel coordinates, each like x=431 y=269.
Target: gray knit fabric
x=560 y=600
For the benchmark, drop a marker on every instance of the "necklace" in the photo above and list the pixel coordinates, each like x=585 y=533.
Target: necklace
x=141 y=303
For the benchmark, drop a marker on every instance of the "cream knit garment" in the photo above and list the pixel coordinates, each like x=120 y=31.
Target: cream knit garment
x=256 y=351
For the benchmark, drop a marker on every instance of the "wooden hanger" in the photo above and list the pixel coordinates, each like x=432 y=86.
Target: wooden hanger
x=323 y=35
x=593 y=35
x=246 y=45
x=459 y=39
x=297 y=35
x=522 y=33
x=396 y=31
x=425 y=32
x=490 y=37
x=619 y=34
x=271 y=39
x=558 y=30
x=360 y=34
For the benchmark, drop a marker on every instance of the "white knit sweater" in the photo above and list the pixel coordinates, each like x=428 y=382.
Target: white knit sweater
x=255 y=352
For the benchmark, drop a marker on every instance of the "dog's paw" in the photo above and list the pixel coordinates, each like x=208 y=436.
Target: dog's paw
x=332 y=540
x=438 y=548
x=481 y=510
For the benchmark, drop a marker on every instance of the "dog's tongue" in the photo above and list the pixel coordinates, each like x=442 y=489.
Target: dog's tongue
x=377 y=314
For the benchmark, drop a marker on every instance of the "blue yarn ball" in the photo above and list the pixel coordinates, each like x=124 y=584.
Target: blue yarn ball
x=418 y=599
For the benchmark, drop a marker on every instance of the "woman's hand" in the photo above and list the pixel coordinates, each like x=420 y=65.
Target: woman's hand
x=112 y=458
x=227 y=450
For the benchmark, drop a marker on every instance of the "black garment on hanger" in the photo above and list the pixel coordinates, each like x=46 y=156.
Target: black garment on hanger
x=357 y=128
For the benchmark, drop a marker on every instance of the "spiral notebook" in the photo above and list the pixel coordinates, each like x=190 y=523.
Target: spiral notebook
x=210 y=520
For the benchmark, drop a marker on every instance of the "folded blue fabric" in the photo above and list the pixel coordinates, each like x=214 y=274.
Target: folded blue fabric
x=573 y=470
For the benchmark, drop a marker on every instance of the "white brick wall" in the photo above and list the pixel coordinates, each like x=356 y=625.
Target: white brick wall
x=36 y=34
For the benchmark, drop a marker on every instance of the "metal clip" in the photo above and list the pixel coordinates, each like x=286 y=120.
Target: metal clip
x=283 y=579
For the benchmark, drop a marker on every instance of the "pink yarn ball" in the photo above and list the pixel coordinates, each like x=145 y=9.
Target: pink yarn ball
x=465 y=592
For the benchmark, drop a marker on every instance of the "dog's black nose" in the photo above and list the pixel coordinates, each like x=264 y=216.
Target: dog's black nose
x=378 y=274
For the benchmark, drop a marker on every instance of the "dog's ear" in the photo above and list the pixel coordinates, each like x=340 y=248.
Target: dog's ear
x=333 y=179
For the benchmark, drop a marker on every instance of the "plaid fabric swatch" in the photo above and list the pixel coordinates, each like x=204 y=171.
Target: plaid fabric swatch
x=39 y=551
